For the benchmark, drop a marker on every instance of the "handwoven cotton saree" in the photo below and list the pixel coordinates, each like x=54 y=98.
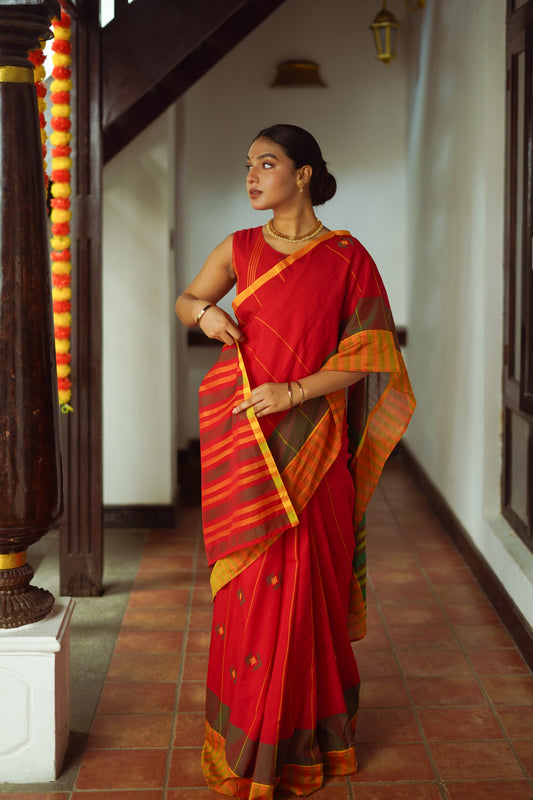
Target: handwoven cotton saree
x=284 y=500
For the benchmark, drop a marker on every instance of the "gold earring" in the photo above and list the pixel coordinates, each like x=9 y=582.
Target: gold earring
x=299 y=185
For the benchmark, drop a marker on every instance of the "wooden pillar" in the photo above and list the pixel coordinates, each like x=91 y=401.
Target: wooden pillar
x=30 y=458
x=81 y=525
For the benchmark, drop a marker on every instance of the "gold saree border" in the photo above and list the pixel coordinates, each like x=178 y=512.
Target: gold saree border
x=221 y=778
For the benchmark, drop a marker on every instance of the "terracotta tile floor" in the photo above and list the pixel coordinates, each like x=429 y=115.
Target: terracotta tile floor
x=447 y=701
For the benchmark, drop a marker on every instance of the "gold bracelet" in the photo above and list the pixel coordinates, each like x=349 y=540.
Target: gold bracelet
x=289 y=389
x=300 y=387
x=202 y=312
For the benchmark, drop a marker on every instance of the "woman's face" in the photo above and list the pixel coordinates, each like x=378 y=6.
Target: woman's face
x=272 y=176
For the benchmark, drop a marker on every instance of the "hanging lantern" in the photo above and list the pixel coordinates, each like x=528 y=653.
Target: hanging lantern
x=385 y=29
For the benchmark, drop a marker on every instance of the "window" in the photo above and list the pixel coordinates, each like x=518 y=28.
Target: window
x=107 y=11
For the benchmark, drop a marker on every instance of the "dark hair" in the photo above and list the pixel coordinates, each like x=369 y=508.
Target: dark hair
x=302 y=148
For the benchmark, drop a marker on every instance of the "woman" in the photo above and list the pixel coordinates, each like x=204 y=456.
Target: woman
x=297 y=418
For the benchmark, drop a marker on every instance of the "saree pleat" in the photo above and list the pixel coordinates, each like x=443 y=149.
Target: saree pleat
x=284 y=500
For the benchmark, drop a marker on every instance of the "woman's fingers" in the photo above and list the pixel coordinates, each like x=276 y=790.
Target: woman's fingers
x=216 y=324
x=266 y=399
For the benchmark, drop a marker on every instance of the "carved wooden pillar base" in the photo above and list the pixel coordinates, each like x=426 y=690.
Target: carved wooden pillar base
x=20 y=603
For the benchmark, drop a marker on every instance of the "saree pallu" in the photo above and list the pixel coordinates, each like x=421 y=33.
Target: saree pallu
x=283 y=500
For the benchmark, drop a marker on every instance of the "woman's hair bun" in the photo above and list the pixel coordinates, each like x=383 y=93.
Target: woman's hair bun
x=323 y=185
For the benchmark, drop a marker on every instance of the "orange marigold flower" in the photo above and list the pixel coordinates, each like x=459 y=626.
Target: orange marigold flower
x=61 y=228
x=61 y=175
x=62 y=306
x=62 y=332
x=61 y=151
x=61 y=124
x=60 y=202
x=64 y=384
x=61 y=98
x=60 y=280
x=61 y=73
x=61 y=255
x=62 y=46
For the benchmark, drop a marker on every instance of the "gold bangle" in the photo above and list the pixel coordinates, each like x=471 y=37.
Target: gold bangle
x=289 y=389
x=300 y=387
x=202 y=312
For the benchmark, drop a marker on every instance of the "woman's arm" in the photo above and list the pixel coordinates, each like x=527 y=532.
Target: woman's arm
x=271 y=397
x=214 y=280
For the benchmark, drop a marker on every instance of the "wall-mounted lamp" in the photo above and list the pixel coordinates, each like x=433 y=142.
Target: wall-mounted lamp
x=385 y=28
x=298 y=73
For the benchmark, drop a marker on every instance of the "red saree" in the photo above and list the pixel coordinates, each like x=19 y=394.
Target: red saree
x=283 y=502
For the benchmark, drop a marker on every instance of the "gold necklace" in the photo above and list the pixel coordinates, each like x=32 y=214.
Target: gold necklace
x=277 y=235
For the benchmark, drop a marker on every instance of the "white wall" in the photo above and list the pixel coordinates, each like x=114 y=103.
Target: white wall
x=359 y=120
x=138 y=300
x=456 y=198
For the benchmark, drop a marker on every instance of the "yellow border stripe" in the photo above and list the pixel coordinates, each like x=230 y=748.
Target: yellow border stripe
x=16 y=75
x=265 y=450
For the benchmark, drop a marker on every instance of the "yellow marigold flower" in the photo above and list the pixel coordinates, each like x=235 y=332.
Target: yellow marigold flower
x=61 y=293
x=43 y=136
x=60 y=242
x=60 y=214
x=61 y=267
x=61 y=162
x=60 y=32
x=61 y=85
x=39 y=73
x=58 y=138
x=61 y=60
x=41 y=104
x=61 y=110
x=64 y=396
x=63 y=370
x=63 y=320
x=61 y=190
x=62 y=346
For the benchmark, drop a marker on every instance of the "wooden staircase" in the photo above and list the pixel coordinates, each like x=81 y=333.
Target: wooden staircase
x=154 y=50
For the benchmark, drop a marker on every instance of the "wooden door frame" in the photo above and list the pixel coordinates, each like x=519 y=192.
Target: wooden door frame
x=81 y=528
x=517 y=398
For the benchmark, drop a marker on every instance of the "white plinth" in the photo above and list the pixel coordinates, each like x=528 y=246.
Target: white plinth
x=35 y=697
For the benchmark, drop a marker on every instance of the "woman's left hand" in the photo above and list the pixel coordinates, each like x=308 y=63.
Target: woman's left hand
x=266 y=399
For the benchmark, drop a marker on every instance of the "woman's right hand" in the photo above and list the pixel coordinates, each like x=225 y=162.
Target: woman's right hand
x=216 y=324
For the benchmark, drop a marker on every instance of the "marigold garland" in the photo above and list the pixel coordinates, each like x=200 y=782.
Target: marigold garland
x=60 y=190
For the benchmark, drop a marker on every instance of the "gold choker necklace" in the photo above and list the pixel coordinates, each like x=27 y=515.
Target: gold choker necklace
x=277 y=235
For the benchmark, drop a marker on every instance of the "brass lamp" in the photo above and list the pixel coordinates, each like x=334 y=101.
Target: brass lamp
x=298 y=73
x=385 y=28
